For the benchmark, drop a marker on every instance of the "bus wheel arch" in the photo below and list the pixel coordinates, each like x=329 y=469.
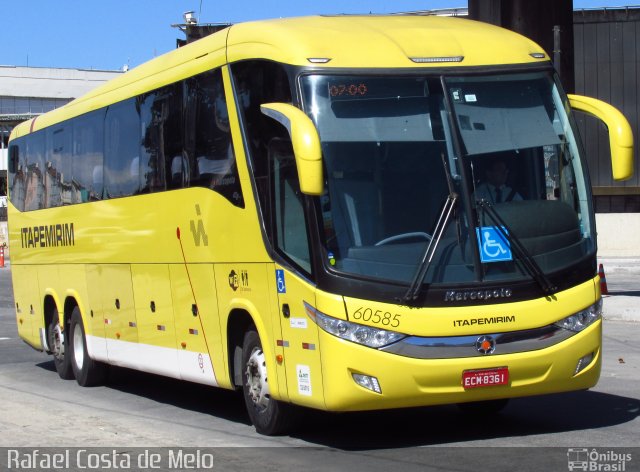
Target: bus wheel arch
x=248 y=371
x=268 y=415
x=50 y=307
x=57 y=341
x=238 y=323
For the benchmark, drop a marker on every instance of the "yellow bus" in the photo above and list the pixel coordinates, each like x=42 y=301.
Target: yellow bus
x=306 y=210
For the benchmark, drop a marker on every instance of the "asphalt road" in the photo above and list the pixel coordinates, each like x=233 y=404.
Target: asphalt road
x=38 y=409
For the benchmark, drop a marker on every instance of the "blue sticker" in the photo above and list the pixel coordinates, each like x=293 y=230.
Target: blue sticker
x=282 y=286
x=494 y=247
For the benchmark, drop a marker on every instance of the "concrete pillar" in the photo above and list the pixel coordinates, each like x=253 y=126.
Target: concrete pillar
x=536 y=20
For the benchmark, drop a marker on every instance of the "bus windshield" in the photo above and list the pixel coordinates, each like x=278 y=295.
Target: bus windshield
x=396 y=149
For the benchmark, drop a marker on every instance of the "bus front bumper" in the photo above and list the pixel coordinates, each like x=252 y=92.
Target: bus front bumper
x=411 y=382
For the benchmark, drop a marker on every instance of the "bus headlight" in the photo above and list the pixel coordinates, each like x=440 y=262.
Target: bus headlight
x=356 y=333
x=579 y=321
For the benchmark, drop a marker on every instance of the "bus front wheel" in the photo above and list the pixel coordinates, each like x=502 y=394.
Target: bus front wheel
x=269 y=416
x=87 y=371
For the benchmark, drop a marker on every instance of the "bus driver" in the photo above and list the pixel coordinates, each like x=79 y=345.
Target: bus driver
x=495 y=188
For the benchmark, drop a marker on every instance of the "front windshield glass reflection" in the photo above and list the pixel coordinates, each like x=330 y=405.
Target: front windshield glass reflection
x=388 y=151
x=385 y=143
x=523 y=159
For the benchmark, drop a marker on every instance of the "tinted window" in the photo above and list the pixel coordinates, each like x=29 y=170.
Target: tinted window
x=162 y=153
x=175 y=137
x=87 y=182
x=122 y=150
x=34 y=187
x=17 y=172
x=152 y=114
x=258 y=82
x=171 y=129
x=207 y=139
x=59 y=171
x=290 y=227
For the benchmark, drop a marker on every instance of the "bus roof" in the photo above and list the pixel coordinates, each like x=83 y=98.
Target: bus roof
x=376 y=41
x=371 y=42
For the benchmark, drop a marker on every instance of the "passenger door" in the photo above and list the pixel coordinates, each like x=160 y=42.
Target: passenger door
x=295 y=291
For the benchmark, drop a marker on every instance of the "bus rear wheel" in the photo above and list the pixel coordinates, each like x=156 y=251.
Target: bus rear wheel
x=59 y=346
x=87 y=371
x=269 y=416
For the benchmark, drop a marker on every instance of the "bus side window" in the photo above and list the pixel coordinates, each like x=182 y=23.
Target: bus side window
x=164 y=165
x=207 y=137
x=34 y=188
x=87 y=183
x=170 y=123
x=290 y=227
x=255 y=83
x=151 y=151
x=122 y=150
x=59 y=168
x=16 y=172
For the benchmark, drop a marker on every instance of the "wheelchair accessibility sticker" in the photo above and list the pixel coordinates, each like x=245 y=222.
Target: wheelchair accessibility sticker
x=494 y=247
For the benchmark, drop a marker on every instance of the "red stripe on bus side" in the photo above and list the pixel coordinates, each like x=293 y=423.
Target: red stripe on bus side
x=33 y=122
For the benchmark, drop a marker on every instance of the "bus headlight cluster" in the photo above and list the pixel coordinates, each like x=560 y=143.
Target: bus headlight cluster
x=579 y=321
x=357 y=333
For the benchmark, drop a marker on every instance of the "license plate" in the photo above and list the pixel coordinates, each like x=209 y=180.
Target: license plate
x=485 y=377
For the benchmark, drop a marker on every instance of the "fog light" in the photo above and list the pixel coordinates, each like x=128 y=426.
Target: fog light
x=583 y=362
x=368 y=382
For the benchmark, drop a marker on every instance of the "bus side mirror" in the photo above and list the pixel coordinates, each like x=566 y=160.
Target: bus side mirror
x=306 y=144
x=620 y=134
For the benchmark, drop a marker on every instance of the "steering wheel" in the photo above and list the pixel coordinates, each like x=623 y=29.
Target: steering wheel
x=398 y=237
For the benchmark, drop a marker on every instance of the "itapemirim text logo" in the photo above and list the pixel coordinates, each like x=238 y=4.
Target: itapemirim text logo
x=583 y=458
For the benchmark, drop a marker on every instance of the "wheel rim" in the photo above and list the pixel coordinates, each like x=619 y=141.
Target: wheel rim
x=58 y=342
x=78 y=347
x=258 y=387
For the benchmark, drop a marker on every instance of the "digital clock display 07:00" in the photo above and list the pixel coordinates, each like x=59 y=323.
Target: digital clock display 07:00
x=347 y=90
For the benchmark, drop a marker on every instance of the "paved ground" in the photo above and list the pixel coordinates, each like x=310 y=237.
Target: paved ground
x=623 y=282
x=137 y=409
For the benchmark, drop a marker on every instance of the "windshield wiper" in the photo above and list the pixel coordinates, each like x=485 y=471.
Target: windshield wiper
x=427 y=256
x=529 y=263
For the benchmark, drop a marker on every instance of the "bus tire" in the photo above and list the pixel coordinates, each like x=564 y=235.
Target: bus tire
x=269 y=416
x=87 y=371
x=59 y=346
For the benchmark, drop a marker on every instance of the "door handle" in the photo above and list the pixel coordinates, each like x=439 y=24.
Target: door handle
x=285 y=310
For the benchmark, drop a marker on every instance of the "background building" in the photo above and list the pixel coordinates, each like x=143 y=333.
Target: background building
x=603 y=46
x=607 y=66
x=26 y=92
x=597 y=53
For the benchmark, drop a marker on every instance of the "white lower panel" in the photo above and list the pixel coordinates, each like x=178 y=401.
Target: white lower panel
x=97 y=348
x=196 y=367
x=178 y=364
